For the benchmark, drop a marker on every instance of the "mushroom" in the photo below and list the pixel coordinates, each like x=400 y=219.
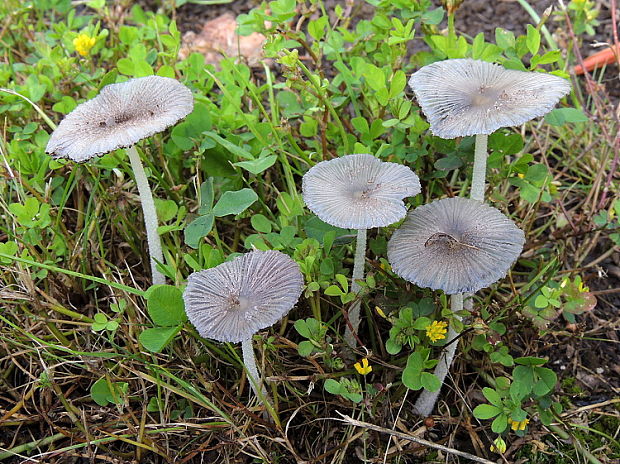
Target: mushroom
x=456 y=245
x=120 y=116
x=233 y=301
x=462 y=97
x=358 y=192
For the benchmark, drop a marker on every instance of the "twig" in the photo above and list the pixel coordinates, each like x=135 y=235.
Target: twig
x=404 y=436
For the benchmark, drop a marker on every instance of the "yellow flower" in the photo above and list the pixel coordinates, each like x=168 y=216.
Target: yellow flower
x=498 y=446
x=437 y=330
x=380 y=312
x=83 y=43
x=521 y=176
x=363 y=368
x=518 y=425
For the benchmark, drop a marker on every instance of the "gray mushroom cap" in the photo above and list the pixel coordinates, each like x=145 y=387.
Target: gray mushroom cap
x=456 y=245
x=359 y=191
x=120 y=116
x=462 y=97
x=233 y=301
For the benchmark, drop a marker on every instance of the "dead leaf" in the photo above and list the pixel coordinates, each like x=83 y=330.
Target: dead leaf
x=218 y=39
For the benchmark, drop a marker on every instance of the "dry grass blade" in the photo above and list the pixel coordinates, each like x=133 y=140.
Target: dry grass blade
x=404 y=436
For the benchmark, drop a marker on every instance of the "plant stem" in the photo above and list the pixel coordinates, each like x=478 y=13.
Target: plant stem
x=358 y=274
x=249 y=360
x=548 y=37
x=426 y=401
x=27 y=447
x=480 y=168
x=150 y=215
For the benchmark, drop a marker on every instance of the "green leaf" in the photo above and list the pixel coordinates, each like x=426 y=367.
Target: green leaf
x=430 y=381
x=375 y=78
x=355 y=397
x=537 y=174
x=290 y=206
x=547 y=381
x=518 y=415
x=8 y=248
x=166 y=209
x=305 y=348
x=261 y=224
x=65 y=105
x=103 y=392
x=504 y=39
x=333 y=386
x=530 y=361
x=392 y=346
x=412 y=378
x=343 y=281
x=155 y=339
x=361 y=125
x=541 y=302
x=421 y=323
x=398 y=83
x=519 y=390
x=561 y=116
x=448 y=163
x=289 y=104
x=166 y=71
x=197 y=229
x=424 y=307
x=165 y=305
x=433 y=17
x=125 y=66
x=492 y=396
x=533 y=39
x=302 y=328
x=486 y=411
x=231 y=147
x=547 y=58
x=234 y=202
x=206 y=196
x=316 y=28
x=333 y=290
x=257 y=165
x=500 y=423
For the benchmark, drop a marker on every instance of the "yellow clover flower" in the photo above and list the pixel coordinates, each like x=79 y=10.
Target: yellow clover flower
x=437 y=330
x=380 y=312
x=498 y=446
x=518 y=425
x=363 y=368
x=83 y=43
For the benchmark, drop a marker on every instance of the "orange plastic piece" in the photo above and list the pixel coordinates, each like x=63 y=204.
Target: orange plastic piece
x=598 y=60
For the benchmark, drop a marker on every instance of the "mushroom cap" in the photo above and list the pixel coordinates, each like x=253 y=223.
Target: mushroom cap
x=233 y=301
x=359 y=191
x=463 y=97
x=456 y=245
x=120 y=116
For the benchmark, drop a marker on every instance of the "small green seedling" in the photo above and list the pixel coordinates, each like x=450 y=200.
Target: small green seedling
x=104 y=392
x=167 y=310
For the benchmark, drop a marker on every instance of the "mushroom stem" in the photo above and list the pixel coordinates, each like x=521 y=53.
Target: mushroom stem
x=358 y=274
x=480 y=167
x=249 y=360
x=150 y=215
x=426 y=401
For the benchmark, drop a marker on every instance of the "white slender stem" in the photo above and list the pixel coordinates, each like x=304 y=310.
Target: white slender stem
x=150 y=215
x=358 y=274
x=249 y=359
x=480 y=168
x=425 y=403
